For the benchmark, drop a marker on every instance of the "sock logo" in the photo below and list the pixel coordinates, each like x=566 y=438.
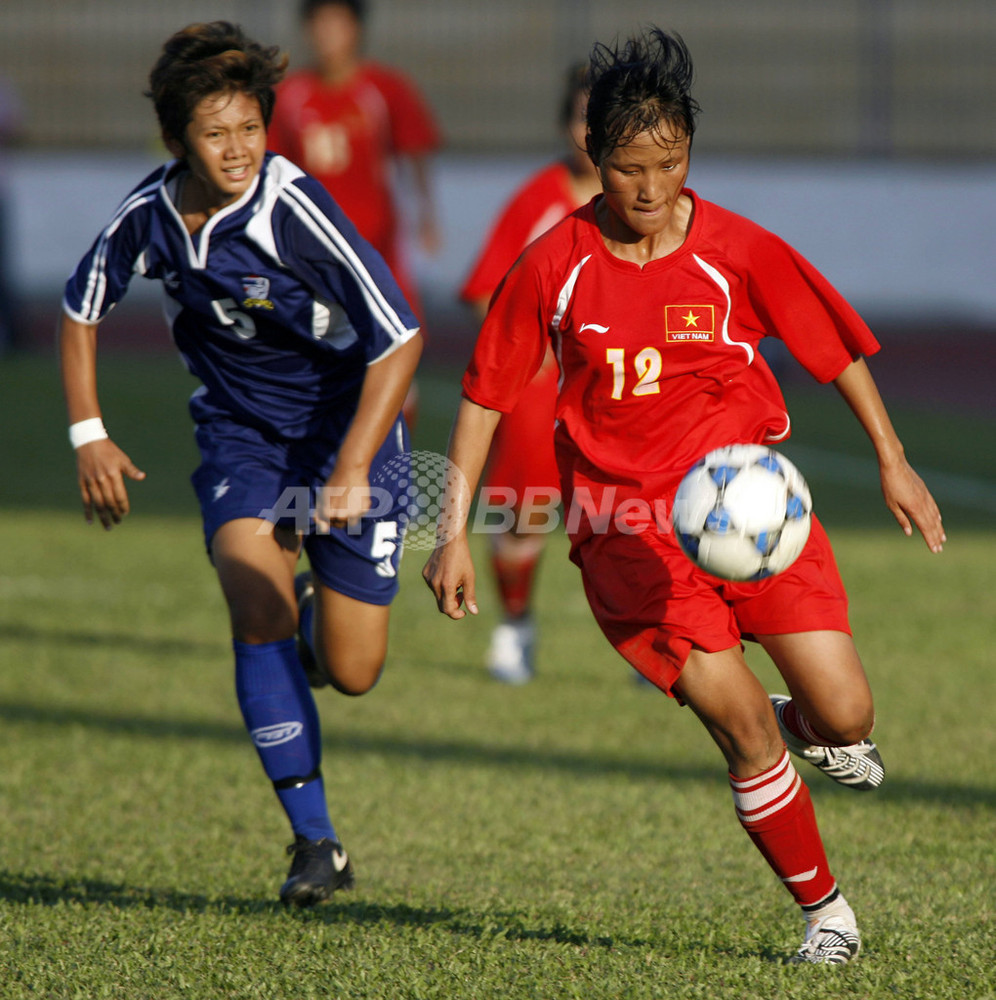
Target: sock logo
x=272 y=736
x=803 y=877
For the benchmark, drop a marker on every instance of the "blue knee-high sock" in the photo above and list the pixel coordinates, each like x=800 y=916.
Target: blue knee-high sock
x=282 y=719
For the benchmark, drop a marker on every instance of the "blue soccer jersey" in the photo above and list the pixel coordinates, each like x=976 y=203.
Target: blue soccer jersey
x=277 y=305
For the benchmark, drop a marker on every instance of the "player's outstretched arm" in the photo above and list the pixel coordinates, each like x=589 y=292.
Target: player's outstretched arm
x=905 y=493
x=449 y=572
x=101 y=466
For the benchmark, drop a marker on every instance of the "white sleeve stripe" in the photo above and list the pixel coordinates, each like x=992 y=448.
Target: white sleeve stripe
x=96 y=286
x=73 y=314
x=564 y=298
x=724 y=287
x=563 y=301
x=409 y=333
x=321 y=226
x=306 y=210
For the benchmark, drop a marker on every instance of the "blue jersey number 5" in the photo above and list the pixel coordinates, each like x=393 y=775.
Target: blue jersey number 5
x=228 y=312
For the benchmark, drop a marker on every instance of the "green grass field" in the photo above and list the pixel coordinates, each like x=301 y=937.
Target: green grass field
x=572 y=838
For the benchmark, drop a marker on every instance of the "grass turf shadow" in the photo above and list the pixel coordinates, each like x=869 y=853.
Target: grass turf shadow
x=48 y=890
x=567 y=761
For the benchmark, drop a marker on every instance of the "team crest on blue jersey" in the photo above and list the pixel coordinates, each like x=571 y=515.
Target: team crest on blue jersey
x=257 y=290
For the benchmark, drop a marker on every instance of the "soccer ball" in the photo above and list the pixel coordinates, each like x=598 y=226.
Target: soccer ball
x=743 y=512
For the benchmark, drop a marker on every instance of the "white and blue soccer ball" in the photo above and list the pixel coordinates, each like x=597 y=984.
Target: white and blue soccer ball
x=743 y=512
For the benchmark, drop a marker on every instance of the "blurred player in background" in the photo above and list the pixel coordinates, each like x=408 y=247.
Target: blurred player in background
x=522 y=456
x=305 y=348
x=351 y=123
x=655 y=302
x=11 y=126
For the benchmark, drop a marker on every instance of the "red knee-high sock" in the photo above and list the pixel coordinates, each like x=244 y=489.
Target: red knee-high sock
x=775 y=809
x=514 y=573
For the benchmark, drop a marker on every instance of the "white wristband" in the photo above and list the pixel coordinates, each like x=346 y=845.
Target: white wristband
x=85 y=431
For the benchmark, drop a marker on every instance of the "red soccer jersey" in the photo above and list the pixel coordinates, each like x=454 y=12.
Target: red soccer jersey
x=539 y=204
x=660 y=364
x=347 y=136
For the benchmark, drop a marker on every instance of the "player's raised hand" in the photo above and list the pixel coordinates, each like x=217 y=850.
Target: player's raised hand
x=449 y=574
x=911 y=503
x=101 y=468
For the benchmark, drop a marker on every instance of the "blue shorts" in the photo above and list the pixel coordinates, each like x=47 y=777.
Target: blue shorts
x=245 y=474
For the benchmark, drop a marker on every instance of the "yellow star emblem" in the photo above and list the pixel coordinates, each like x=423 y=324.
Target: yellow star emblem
x=690 y=318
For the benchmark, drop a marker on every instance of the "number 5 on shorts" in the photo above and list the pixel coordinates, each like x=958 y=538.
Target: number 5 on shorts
x=383 y=546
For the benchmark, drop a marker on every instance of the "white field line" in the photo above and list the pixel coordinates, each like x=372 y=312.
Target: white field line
x=966 y=491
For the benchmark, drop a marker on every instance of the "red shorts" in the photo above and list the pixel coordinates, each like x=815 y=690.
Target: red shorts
x=522 y=455
x=654 y=605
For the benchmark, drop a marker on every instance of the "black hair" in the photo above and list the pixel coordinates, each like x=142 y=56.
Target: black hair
x=358 y=7
x=205 y=59
x=638 y=87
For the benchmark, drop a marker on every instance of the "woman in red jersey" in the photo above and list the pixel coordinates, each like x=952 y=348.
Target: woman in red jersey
x=522 y=469
x=350 y=122
x=654 y=301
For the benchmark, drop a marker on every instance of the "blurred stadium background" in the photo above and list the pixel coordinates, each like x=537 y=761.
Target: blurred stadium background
x=906 y=78
x=863 y=131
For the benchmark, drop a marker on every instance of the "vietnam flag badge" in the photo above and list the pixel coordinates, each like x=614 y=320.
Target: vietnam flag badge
x=689 y=324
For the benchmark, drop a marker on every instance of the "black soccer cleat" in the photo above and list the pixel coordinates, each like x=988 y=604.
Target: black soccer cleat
x=319 y=868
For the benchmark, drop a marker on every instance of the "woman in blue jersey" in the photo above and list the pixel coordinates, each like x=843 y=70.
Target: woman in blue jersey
x=305 y=348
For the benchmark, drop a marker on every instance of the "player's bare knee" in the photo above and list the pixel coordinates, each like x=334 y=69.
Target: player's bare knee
x=352 y=685
x=353 y=679
x=859 y=729
x=845 y=723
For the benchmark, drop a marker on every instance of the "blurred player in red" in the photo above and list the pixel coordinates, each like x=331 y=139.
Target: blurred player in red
x=350 y=123
x=522 y=463
x=655 y=301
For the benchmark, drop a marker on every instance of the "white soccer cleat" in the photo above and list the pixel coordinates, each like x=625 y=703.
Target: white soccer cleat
x=858 y=765
x=510 y=656
x=830 y=940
